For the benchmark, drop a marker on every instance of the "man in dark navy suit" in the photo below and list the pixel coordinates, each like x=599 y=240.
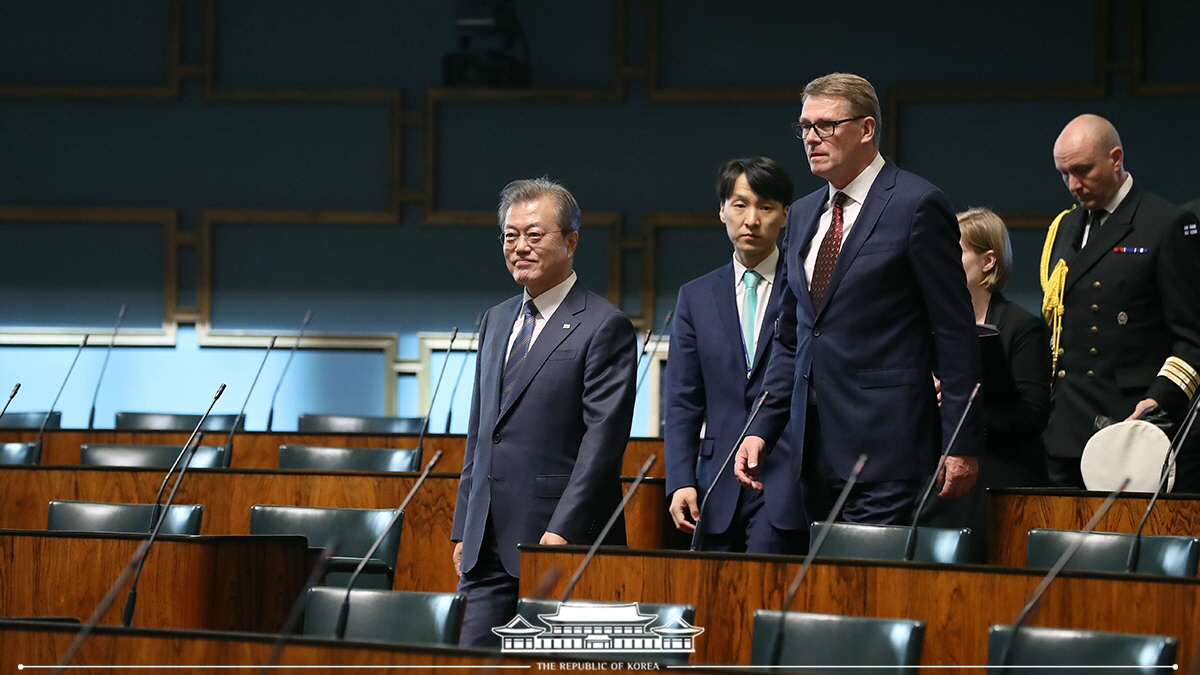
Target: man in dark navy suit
x=876 y=306
x=720 y=343
x=550 y=414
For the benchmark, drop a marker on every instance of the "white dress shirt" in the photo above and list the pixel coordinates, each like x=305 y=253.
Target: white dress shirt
x=856 y=194
x=766 y=268
x=1122 y=192
x=546 y=304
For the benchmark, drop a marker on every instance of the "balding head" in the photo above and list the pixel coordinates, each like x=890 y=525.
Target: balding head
x=1089 y=157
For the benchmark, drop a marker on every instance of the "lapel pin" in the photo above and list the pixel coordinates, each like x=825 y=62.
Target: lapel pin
x=566 y=326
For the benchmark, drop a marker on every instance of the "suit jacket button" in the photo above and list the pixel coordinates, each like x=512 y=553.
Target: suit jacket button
x=816 y=332
x=1061 y=351
x=1093 y=351
x=1095 y=308
x=1062 y=374
x=1091 y=373
x=1095 y=330
x=495 y=438
x=1096 y=285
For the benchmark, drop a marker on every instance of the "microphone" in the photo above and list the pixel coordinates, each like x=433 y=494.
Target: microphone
x=135 y=563
x=657 y=342
x=11 y=396
x=238 y=419
x=104 y=366
x=609 y=525
x=642 y=353
x=37 y=451
x=344 y=612
x=131 y=598
x=1135 y=548
x=910 y=543
x=697 y=537
x=462 y=366
x=794 y=588
x=1058 y=567
x=189 y=449
x=436 y=387
x=293 y=617
x=288 y=364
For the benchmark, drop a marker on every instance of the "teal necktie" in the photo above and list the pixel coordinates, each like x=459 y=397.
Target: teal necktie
x=751 y=279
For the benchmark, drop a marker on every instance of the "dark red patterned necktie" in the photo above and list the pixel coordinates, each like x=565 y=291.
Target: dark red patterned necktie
x=827 y=255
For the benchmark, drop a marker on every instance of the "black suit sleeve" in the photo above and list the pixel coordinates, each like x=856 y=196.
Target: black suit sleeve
x=1179 y=281
x=1027 y=346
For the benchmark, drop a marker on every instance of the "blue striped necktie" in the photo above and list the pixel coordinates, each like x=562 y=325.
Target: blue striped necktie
x=516 y=355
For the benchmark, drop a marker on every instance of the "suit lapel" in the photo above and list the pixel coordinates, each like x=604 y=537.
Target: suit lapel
x=496 y=349
x=562 y=323
x=1116 y=228
x=868 y=216
x=807 y=229
x=1068 y=233
x=725 y=301
x=766 y=332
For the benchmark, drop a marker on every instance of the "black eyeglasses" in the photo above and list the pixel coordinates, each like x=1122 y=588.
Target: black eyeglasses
x=824 y=128
x=533 y=238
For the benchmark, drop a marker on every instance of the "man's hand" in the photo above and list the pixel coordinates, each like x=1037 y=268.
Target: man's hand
x=457 y=557
x=551 y=539
x=685 y=504
x=958 y=475
x=937 y=386
x=1141 y=408
x=745 y=464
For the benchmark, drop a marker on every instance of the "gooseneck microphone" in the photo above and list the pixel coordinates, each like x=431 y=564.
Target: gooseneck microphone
x=461 y=367
x=609 y=525
x=1006 y=656
x=1135 y=547
x=188 y=450
x=794 y=587
x=286 y=365
x=910 y=543
x=37 y=451
x=134 y=566
x=657 y=342
x=16 y=388
x=237 y=420
x=641 y=354
x=436 y=387
x=104 y=366
x=344 y=612
x=697 y=537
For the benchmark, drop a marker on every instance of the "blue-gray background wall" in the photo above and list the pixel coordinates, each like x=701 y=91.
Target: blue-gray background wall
x=311 y=160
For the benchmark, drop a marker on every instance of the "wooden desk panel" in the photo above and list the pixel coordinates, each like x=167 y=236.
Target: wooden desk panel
x=219 y=583
x=1015 y=512
x=260 y=450
x=957 y=602
x=227 y=495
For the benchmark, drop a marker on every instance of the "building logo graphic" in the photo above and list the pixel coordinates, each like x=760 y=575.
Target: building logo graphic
x=597 y=627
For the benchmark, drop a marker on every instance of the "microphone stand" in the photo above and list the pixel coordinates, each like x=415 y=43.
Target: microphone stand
x=910 y=543
x=657 y=342
x=189 y=450
x=436 y=387
x=131 y=597
x=794 y=587
x=344 y=612
x=462 y=366
x=288 y=364
x=135 y=563
x=237 y=420
x=104 y=366
x=642 y=353
x=11 y=396
x=697 y=537
x=1063 y=559
x=46 y=420
x=1135 y=548
x=608 y=526
x=293 y=617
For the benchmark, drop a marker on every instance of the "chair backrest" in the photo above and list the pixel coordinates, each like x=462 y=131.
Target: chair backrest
x=533 y=609
x=1169 y=555
x=1037 y=646
x=887 y=542
x=881 y=646
x=19 y=453
x=352 y=530
x=132 y=518
x=356 y=424
x=391 y=616
x=176 y=422
x=30 y=420
x=325 y=458
x=151 y=456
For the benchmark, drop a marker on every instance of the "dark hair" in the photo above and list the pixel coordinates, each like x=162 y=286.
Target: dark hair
x=566 y=209
x=766 y=177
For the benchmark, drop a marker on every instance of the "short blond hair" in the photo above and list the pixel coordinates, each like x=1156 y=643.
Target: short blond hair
x=984 y=231
x=857 y=92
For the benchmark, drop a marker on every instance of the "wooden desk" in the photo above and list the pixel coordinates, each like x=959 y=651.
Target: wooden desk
x=957 y=602
x=1014 y=512
x=221 y=583
x=227 y=495
x=260 y=450
x=39 y=644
